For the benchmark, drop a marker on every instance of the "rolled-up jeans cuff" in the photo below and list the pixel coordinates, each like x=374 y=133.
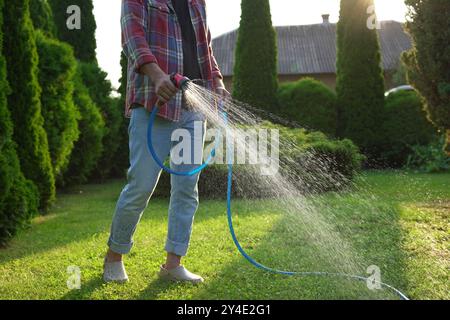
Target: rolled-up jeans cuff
x=177 y=248
x=119 y=248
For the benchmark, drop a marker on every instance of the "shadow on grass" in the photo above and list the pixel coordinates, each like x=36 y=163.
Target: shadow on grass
x=86 y=291
x=76 y=216
x=79 y=215
x=157 y=287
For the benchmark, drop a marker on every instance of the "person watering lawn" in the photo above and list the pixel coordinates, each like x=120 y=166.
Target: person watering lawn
x=161 y=37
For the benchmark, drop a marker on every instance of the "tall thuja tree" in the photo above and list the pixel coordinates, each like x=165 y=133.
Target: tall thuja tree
x=42 y=17
x=255 y=71
x=82 y=39
x=18 y=196
x=57 y=67
x=428 y=62
x=24 y=101
x=88 y=148
x=360 y=81
x=100 y=90
x=92 y=76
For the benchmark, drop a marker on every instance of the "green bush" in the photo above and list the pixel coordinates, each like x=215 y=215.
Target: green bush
x=404 y=125
x=309 y=103
x=24 y=101
x=57 y=67
x=18 y=197
x=429 y=158
x=100 y=89
x=321 y=164
x=317 y=164
x=88 y=149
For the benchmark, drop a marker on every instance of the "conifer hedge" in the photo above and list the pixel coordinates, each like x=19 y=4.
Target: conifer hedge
x=24 y=101
x=88 y=148
x=42 y=17
x=57 y=66
x=83 y=39
x=18 y=196
x=100 y=90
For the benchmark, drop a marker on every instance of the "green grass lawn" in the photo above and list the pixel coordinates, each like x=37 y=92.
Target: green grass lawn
x=395 y=220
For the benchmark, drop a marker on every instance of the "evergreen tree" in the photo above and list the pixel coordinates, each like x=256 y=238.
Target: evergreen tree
x=24 y=101
x=93 y=78
x=428 y=62
x=88 y=148
x=100 y=90
x=42 y=17
x=255 y=71
x=57 y=67
x=360 y=81
x=18 y=196
x=121 y=159
x=83 y=39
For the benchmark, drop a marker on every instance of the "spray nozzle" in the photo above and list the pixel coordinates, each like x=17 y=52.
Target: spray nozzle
x=179 y=81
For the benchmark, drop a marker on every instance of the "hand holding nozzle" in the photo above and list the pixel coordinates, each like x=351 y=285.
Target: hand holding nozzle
x=178 y=82
x=164 y=87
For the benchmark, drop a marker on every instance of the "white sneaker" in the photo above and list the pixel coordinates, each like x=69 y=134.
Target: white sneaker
x=114 y=272
x=178 y=274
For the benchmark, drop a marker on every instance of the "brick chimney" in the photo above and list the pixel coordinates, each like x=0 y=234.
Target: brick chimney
x=326 y=18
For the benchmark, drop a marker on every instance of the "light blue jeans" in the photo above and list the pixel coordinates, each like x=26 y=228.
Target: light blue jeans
x=143 y=176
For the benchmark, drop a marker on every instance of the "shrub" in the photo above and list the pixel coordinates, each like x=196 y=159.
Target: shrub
x=88 y=149
x=429 y=158
x=404 y=125
x=24 y=102
x=318 y=164
x=100 y=89
x=57 y=67
x=310 y=103
x=18 y=197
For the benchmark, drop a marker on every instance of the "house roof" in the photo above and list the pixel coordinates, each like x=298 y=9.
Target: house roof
x=311 y=49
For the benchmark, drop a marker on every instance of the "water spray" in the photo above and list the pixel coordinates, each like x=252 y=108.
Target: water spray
x=181 y=83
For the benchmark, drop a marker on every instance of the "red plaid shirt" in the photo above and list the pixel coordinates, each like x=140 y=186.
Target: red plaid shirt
x=152 y=34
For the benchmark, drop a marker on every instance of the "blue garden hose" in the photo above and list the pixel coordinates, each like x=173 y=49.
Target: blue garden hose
x=230 y=215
